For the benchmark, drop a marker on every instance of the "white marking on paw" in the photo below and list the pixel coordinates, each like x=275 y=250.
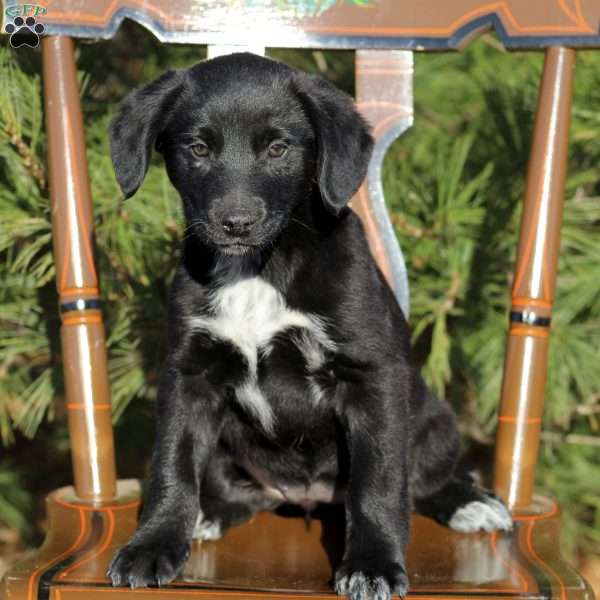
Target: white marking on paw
x=206 y=530
x=361 y=587
x=489 y=515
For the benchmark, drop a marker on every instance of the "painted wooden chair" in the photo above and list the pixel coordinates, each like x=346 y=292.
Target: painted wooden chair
x=273 y=556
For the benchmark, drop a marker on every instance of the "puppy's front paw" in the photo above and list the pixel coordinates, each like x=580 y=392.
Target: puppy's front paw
x=361 y=582
x=141 y=565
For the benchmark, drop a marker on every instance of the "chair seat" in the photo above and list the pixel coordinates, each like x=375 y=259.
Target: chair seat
x=276 y=556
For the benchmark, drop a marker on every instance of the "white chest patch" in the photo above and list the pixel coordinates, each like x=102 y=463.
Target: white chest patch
x=249 y=313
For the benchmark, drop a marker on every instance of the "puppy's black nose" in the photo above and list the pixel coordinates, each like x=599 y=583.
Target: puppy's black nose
x=240 y=223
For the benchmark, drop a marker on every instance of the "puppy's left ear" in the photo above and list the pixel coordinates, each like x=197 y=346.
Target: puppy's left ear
x=344 y=143
x=133 y=133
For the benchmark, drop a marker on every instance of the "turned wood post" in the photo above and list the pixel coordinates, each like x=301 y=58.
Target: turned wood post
x=520 y=415
x=82 y=331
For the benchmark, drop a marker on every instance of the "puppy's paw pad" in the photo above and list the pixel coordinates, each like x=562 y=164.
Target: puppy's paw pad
x=485 y=515
x=207 y=530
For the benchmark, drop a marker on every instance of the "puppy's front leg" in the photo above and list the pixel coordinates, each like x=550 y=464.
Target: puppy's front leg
x=188 y=425
x=374 y=417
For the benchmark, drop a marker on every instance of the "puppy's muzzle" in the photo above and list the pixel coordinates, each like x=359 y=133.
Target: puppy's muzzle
x=240 y=223
x=235 y=218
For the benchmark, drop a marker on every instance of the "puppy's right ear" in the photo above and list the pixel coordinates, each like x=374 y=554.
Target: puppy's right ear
x=142 y=116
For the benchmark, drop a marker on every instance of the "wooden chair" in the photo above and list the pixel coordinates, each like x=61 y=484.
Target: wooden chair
x=274 y=556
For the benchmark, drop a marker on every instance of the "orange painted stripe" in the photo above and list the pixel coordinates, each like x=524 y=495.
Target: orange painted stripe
x=379 y=71
x=510 y=565
x=80 y=405
x=577 y=17
x=521 y=301
x=416 y=588
x=528 y=421
x=108 y=539
x=546 y=567
x=580 y=15
x=210 y=592
x=92 y=508
x=375 y=242
x=528 y=332
x=552 y=512
x=567 y=11
x=367 y=63
x=382 y=125
x=82 y=320
x=35 y=575
x=77 y=291
x=382 y=104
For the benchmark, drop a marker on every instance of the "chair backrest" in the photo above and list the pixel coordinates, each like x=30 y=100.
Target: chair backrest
x=353 y=24
x=384 y=33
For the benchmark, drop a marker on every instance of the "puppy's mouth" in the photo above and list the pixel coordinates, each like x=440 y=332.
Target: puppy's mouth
x=237 y=248
x=236 y=245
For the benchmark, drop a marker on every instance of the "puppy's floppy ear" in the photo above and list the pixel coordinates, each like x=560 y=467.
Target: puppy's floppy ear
x=344 y=143
x=134 y=130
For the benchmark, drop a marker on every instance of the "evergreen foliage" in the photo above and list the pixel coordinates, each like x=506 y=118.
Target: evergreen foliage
x=454 y=184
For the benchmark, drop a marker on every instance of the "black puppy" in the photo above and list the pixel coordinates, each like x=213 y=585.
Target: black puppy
x=287 y=377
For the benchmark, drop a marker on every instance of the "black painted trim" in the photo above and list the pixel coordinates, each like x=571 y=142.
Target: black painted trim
x=539 y=574
x=528 y=317
x=80 y=304
x=45 y=582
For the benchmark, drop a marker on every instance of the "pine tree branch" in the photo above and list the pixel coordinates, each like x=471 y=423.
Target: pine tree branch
x=400 y=223
x=30 y=161
x=572 y=438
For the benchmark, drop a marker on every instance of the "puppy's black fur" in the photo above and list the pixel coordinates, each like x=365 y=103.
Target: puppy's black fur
x=287 y=377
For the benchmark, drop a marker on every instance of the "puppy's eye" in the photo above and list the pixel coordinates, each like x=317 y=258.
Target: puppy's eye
x=200 y=150
x=277 y=149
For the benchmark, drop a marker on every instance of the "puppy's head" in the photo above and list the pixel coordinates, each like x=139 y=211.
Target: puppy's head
x=244 y=138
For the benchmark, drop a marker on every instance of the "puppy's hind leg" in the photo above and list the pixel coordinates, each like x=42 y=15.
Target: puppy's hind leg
x=435 y=445
x=463 y=506
x=438 y=491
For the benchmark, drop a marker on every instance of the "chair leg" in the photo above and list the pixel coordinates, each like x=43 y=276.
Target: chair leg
x=82 y=332
x=520 y=415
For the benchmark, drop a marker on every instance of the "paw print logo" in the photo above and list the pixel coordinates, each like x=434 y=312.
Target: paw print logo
x=24 y=32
